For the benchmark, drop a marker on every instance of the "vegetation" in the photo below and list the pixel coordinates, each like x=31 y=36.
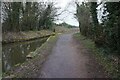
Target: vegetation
x=109 y=64
x=106 y=33
x=83 y=17
x=64 y=24
x=112 y=26
x=26 y=16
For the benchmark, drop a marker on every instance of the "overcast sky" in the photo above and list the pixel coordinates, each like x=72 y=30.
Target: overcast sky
x=68 y=15
x=70 y=6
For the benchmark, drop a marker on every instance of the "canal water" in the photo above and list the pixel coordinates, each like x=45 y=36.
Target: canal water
x=15 y=53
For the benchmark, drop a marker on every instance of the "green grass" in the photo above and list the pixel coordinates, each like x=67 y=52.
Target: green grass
x=108 y=64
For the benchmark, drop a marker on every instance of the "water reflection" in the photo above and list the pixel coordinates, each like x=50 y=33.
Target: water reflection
x=15 y=53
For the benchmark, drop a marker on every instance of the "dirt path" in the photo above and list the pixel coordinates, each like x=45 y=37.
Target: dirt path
x=66 y=61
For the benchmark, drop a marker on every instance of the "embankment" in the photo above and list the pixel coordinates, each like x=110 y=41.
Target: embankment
x=108 y=62
x=31 y=67
x=11 y=37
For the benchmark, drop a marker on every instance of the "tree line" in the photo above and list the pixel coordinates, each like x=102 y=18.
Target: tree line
x=106 y=33
x=64 y=24
x=26 y=16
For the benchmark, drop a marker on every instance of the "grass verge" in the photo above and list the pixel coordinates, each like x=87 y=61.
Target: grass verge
x=109 y=65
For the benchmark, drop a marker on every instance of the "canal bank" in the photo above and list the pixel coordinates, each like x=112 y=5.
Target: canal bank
x=31 y=67
x=31 y=48
x=11 y=37
x=16 y=53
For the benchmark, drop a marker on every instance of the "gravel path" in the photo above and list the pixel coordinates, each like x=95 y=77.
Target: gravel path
x=66 y=61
